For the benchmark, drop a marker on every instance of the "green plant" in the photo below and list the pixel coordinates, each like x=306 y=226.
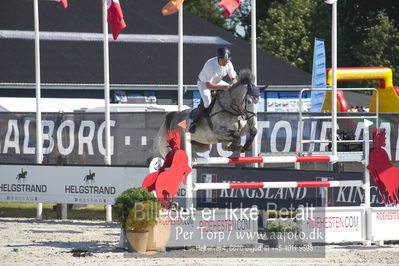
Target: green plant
x=282 y=226
x=145 y=207
x=143 y=216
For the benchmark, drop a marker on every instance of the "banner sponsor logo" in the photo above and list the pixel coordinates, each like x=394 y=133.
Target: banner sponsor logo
x=90 y=189
x=22 y=186
x=59 y=139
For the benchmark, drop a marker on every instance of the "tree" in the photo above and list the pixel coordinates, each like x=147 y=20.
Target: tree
x=380 y=46
x=290 y=28
x=242 y=16
x=367 y=29
x=210 y=11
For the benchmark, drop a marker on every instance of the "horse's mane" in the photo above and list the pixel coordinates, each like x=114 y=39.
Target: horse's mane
x=245 y=76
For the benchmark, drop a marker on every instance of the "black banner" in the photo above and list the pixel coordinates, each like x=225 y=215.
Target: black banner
x=278 y=198
x=78 y=138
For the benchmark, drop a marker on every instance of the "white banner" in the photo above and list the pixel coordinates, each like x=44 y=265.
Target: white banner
x=334 y=224
x=384 y=223
x=67 y=184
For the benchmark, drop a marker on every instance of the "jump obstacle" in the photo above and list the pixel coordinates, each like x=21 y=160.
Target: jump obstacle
x=353 y=157
x=292 y=184
x=279 y=159
x=370 y=229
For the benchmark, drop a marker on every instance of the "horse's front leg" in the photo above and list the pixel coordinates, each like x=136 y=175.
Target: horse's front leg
x=250 y=139
x=252 y=134
x=235 y=144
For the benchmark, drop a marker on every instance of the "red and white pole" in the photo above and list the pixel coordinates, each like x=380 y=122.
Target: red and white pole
x=279 y=159
x=291 y=184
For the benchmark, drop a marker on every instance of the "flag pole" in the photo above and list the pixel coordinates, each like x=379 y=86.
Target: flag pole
x=180 y=60
x=253 y=42
x=334 y=78
x=107 y=157
x=255 y=144
x=39 y=153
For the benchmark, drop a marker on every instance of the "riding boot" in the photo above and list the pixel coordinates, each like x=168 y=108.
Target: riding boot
x=199 y=113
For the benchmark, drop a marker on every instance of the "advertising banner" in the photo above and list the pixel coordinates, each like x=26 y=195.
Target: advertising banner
x=335 y=224
x=78 y=138
x=318 y=75
x=71 y=184
x=385 y=223
x=287 y=101
x=67 y=184
x=281 y=198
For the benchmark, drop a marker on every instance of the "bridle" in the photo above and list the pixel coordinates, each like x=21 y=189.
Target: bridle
x=236 y=108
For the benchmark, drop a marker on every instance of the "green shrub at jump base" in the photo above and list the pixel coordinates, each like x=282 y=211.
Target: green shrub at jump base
x=137 y=209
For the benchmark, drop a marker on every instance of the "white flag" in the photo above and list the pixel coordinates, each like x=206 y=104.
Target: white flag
x=330 y=1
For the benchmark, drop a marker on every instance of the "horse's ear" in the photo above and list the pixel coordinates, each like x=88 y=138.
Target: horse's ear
x=262 y=89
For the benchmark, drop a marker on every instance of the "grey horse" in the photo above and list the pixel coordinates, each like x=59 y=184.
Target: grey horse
x=232 y=116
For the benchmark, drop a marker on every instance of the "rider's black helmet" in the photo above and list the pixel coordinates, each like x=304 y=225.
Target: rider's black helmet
x=224 y=53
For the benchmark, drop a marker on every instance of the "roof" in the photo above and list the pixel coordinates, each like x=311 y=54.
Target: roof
x=25 y=104
x=67 y=56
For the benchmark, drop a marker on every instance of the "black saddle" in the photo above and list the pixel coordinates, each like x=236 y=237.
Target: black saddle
x=193 y=112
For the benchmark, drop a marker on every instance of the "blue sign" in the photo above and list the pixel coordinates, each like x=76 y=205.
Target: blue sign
x=287 y=101
x=318 y=75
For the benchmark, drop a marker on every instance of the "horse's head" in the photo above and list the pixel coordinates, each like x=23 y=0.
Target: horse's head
x=245 y=87
x=243 y=96
x=246 y=92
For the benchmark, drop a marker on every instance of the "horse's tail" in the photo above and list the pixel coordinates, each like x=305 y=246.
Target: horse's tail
x=160 y=146
x=168 y=119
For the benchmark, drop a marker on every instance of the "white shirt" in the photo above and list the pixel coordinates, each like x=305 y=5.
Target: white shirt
x=213 y=72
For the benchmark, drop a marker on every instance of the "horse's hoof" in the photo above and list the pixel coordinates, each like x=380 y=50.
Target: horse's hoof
x=229 y=148
x=234 y=148
x=242 y=150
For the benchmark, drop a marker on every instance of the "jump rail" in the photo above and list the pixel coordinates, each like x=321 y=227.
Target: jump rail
x=292 y=184
x=280 y=159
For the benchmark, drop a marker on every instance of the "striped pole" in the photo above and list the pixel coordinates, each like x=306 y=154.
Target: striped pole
x=292 y=184
x=279 y=159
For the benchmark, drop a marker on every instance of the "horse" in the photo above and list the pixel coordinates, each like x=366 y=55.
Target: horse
x=231 y=115
x=22 y=175
x=89 y=177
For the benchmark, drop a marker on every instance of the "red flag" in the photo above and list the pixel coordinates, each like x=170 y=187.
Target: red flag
x=63 y=2
x=172 y=7
x=229 y=6
x=115 y=17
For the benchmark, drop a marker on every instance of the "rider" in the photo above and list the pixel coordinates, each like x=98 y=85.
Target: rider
x=210 y=78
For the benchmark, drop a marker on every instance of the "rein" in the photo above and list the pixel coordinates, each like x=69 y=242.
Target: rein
x=236 y=110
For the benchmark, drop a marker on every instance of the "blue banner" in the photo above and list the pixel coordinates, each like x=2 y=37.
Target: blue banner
x=318 y=75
